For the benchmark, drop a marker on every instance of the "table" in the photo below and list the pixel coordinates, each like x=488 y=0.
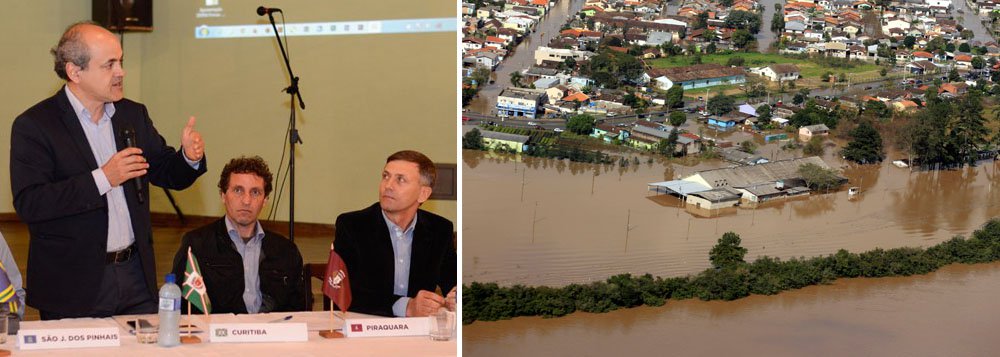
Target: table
x=316 y=346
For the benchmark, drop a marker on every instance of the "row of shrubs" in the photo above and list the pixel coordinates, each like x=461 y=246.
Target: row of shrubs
x=730 y=278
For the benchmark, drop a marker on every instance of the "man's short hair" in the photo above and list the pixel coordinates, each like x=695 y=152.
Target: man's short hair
x=246 y=165
x=71 y=48
x=428 y=173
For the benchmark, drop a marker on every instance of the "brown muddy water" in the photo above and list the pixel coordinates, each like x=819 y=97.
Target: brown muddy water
x=547 y=222
x=952 y=312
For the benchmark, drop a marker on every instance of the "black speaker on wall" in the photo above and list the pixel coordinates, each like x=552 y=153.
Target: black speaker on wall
x=124 y=15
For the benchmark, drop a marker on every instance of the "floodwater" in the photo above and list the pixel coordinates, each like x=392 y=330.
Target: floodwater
x=952 y=312
x=548 y=222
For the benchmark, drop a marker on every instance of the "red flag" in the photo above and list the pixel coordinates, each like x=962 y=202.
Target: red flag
x=336 y=285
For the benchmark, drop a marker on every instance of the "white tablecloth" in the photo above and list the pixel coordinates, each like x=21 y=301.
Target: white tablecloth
x=316 y=346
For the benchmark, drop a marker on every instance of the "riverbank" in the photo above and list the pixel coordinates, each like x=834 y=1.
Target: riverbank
x=729 y=279
x=951 y=312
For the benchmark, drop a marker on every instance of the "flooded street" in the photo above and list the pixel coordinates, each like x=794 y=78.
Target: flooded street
x=548 y=222
x=971 y=20
x=951 y=312
x=524 y=54
x=765 y=37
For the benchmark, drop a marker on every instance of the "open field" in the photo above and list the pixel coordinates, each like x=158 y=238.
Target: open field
x=809 y=68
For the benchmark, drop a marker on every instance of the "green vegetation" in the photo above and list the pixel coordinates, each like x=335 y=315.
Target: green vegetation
x=581 y=124
x=677 y=118
x=609 y=69
x=814 y=147
x=473 y=140
x=819 y=178
x=947 y=133
x=730 y=278
x=574 y=154
x=675 y=97
x=811 y=67
x=668 y=147
x=865 y=146
x=721 y=104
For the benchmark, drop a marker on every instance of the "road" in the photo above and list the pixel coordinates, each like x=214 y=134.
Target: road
x=765 y=37
x=523 y=55
x=970 y=20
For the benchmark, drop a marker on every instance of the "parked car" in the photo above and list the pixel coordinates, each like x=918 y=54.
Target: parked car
x=558 y=130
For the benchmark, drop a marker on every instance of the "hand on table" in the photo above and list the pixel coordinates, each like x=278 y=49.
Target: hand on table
x=424 y=304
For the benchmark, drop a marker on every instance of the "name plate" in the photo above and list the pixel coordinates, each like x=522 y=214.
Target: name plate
x=258 y=332
x=400 y=326
x=43 y=339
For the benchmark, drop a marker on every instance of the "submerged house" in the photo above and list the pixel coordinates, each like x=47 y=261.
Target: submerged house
x=712 y=189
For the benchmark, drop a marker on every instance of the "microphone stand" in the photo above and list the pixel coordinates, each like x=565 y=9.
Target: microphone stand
x=293 y=134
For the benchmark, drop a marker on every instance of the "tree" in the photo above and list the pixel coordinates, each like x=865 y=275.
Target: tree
x=764 y=113
x=515 y=78
x=819 y=178
x=877 y=109
x=727 y=253
x=754 y=87
x=743 y=20
x=473 y=140
x=711 y=48
x=953 y=75
x=968 y=129
x=581 y=124
x=675 y=96
x=936 y=43
x=630 y=100
x=701 y=21
x=735 y=61
x=908 y=41
x=570 y=64
x=978 y=62
x=667 y=147
x=677 y=118
x=964 y=47
x=814 y=147
x=778 y=22
x=721 y=104
x=748 y=146
x=710 y=36
x=865 y=146
x=798 y=99
x=882 y=72
x=742 y=38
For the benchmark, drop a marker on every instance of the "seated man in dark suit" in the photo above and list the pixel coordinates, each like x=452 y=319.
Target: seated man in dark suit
x=246 y=269
x=396 y=254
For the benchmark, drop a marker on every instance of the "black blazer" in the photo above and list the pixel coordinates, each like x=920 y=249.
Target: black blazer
x=280 y=270
x=362 y=241
x=55 y=194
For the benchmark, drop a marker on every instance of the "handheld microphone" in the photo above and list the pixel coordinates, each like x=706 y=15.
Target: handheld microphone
x=129 y=137
x=261 y=11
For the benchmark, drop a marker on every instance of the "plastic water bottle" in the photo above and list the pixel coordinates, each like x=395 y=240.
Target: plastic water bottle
x=170 y=313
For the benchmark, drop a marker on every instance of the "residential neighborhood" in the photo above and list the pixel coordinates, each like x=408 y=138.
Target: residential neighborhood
x=679 y=78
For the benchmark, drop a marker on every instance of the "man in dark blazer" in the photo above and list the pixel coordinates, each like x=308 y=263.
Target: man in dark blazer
x=91 y=250
x=246 y=269
x=396 y=254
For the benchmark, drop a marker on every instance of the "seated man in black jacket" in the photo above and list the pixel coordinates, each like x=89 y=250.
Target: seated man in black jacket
x=246 y=269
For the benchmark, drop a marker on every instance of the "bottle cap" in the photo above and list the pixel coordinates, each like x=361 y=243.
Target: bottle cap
x=170 y=279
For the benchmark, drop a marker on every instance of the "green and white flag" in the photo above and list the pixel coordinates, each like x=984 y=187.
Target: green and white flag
x=193 y=288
